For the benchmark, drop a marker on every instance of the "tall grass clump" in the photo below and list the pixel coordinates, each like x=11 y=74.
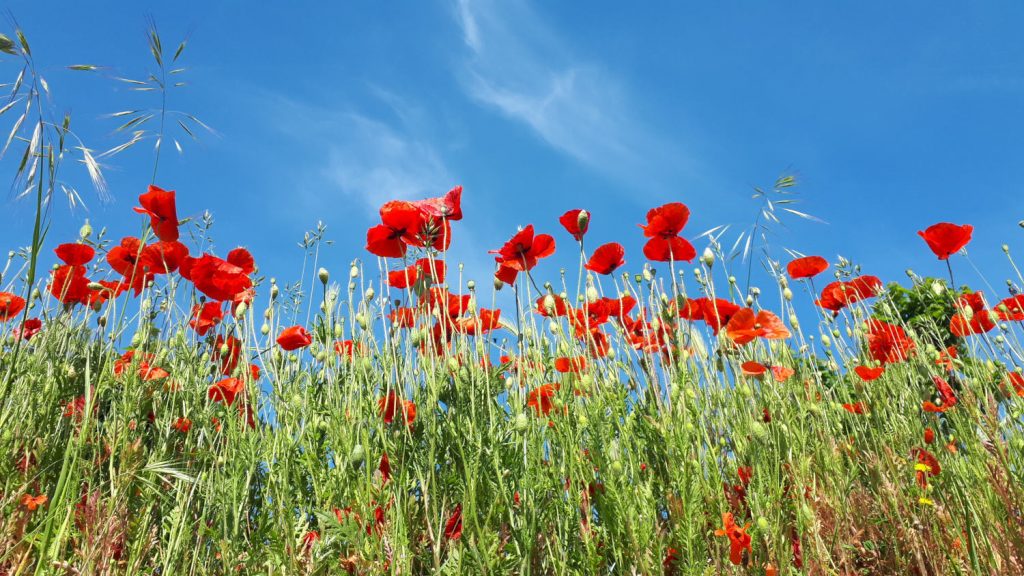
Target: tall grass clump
x=167 y=410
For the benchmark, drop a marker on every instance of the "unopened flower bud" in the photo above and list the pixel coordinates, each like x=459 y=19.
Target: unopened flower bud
x=592 y=294
x=265 y=329
x=240 y=310
x=938 y=287
x=85 y=231
x=708 y=257
x=787 y=294
x=324 y=275
x=471 y=285
x=353 y=272
x=369 y=294
x=583 y=220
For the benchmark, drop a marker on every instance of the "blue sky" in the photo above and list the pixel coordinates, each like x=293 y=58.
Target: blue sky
x=893 y=116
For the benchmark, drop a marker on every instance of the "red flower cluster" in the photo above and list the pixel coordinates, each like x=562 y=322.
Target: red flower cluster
x=422 y=224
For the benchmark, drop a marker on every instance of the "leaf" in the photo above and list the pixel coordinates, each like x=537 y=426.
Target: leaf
x=177 y=53
x=805 y=216
x=83 y=67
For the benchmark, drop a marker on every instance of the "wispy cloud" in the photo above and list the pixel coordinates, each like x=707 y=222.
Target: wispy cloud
x=518 y=66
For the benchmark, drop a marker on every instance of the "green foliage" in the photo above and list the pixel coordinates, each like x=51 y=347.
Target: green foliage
x=925 y=307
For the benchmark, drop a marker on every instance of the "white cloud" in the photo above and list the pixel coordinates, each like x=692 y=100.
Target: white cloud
x=517 y=66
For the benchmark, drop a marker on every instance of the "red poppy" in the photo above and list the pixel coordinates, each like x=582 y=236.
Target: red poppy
x=946 y=239
x=206 y=316
x=973 y=318
x=32 y=503
x=806 y=267
x=28 y=328
x=929 y=436
x=522 y=252
x=664 y=224
x=226 y=390
x=484 y=322
x=75 y=254
x=293 y=338
x=927 y=465
x=887 y=343
x=739 y=540
x=868 y=374
x=220 y=279
x=404 y=278
x=752 y=368
x=10 y=305
x=453 y=527
x=745 y=326
x=399 y=219
x=163 y=257
x=855 y=408
x=69 y=285
x=389 y=409
x=575 y=224
x=182 y=425
x=947 y=397
x=228 y=360
x=715 y=313
x=607 y=258
x=782 y=373
x=403 y=317
x=448 y=206
x=540 y=398
x=574 y=365
x=838 y=295
x=1011 y=309
x=163 y=213
x=1016 y=380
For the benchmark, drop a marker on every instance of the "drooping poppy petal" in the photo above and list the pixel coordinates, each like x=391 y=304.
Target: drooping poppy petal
x=226 y=390
x=540 y=398
x=607 y=258
x=453 y=527
x=448 y=207
x=946 y=239
x=665 y=221
x=392 y=407
x=206 y=316
x=669 y=249
x=868 y=374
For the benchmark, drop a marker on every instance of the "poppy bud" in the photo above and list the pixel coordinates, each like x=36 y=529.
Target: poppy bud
x=592 y=294
x=471 y=285
x=787 y=294
x=85 y=231
x=337 y=330
x=498 y=284
x=554 y=327
x=549 y=304
x=583 y=220
x=324 y=275
x=522 y=422
x=708 y=257
x=638 y=278
x=416 y=337
x=1006 y=248
x=750 y=300
x=264 y=329
x=938 y=287
x=1021 y=223
x=357 y=454
x=762 y=524
x=370 y=293
x=240 y=310
x=648 y=274
x=353 y=272
x=273 y=292
x=361 y=321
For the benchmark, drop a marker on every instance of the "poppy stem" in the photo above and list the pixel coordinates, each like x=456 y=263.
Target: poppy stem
x=952 y=283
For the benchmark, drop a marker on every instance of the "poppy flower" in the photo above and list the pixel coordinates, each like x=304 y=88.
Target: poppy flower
x=664 y=224
x=574 y=365
x=973 y=317
x=348 y=348
x=228 y=350
x=182 y=425
x=576 y=222
x=163 y=257
x=485 y=321
x=391 y=406
x=384 y=467
x=402 y=279
x=163 y=214
x=855 y=407
x=715 y=313
x=552 y=306
x=1016 y=380
x=1011 y=309
x=607 y=258
x=806 y=267
x=946 y=239
x=220 y=279
x=75 y=254
x=745 y=326
x=887 y=343
x=28 y=328
x=755 y=369
x=293 y=338
x=453 y=527
x=206 y=316
x=448 y=206
x=927 y=465
x=403 y=317
x=868 y=374
x=739 y=540
x=69 y=284
x=947 y=397
x=226 y=390
x=10 y=305
x=32 y=503
x=540 y=398
x=857 y=289
x=399 y=219
x=946 y=358
x=929 y=436
x=782 y=373
x=522 y=252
